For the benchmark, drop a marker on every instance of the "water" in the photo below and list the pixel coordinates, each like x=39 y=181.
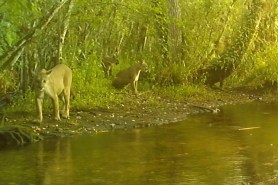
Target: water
x=208 y=149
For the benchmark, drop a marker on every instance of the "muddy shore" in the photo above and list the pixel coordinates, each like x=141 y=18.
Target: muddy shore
x=145 y=110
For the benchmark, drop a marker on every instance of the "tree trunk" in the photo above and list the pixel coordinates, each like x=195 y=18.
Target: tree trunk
x=64 y=30
x=142 y=31
x=221 y=42
x=108 y=46
x=162 y=30
x=175 y=36
x=24 y=81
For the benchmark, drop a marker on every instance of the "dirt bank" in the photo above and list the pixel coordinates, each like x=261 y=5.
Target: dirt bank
x=145 y=110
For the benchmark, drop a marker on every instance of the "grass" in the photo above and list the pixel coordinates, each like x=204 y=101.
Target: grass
x=100 y=93
x=92 y=90
x=189 y=92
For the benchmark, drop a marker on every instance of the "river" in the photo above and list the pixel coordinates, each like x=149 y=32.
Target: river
x=239 y=145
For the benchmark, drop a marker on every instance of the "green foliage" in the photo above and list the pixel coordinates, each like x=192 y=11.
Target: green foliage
x=176 y=74
x=23 y=103
x=264 y=68
x=175 y=38
x=188 y=92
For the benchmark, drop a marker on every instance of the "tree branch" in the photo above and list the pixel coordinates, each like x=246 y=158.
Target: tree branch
x=6 y=57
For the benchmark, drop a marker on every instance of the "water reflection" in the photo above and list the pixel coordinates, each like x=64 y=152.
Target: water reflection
x=205 y=149
x=55 y=161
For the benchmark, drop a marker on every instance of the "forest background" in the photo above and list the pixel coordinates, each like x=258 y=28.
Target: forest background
x=188 y=45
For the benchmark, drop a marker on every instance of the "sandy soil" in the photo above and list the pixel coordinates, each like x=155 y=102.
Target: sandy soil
x=145 y=110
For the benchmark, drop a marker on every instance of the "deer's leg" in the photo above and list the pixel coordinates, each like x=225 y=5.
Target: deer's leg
x=39 y=102
x=66 y=102
x=39 y=108
x=135 y=86
x=55 y=100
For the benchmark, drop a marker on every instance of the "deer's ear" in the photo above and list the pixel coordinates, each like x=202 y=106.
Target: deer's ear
x=48 y=72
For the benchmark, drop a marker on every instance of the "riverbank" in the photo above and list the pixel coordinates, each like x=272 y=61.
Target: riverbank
x=145 y=110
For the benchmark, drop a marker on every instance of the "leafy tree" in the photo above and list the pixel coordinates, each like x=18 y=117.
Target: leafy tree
x=223 y=66
x=180 y=40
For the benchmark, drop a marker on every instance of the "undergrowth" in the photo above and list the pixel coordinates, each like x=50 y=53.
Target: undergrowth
x=92 y=90
x=100 y=93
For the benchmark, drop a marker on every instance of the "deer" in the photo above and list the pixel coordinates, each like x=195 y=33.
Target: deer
x=129 y=75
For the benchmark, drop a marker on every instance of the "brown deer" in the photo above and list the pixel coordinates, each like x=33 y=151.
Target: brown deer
x=129 y=75
x=107 y=65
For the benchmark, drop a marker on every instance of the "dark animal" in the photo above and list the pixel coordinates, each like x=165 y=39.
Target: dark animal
x=107 y=65
x=129 y=75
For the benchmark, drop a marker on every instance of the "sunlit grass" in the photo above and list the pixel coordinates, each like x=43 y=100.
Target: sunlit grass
x=92 y=90
x=100 y=93
x=187 y=92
